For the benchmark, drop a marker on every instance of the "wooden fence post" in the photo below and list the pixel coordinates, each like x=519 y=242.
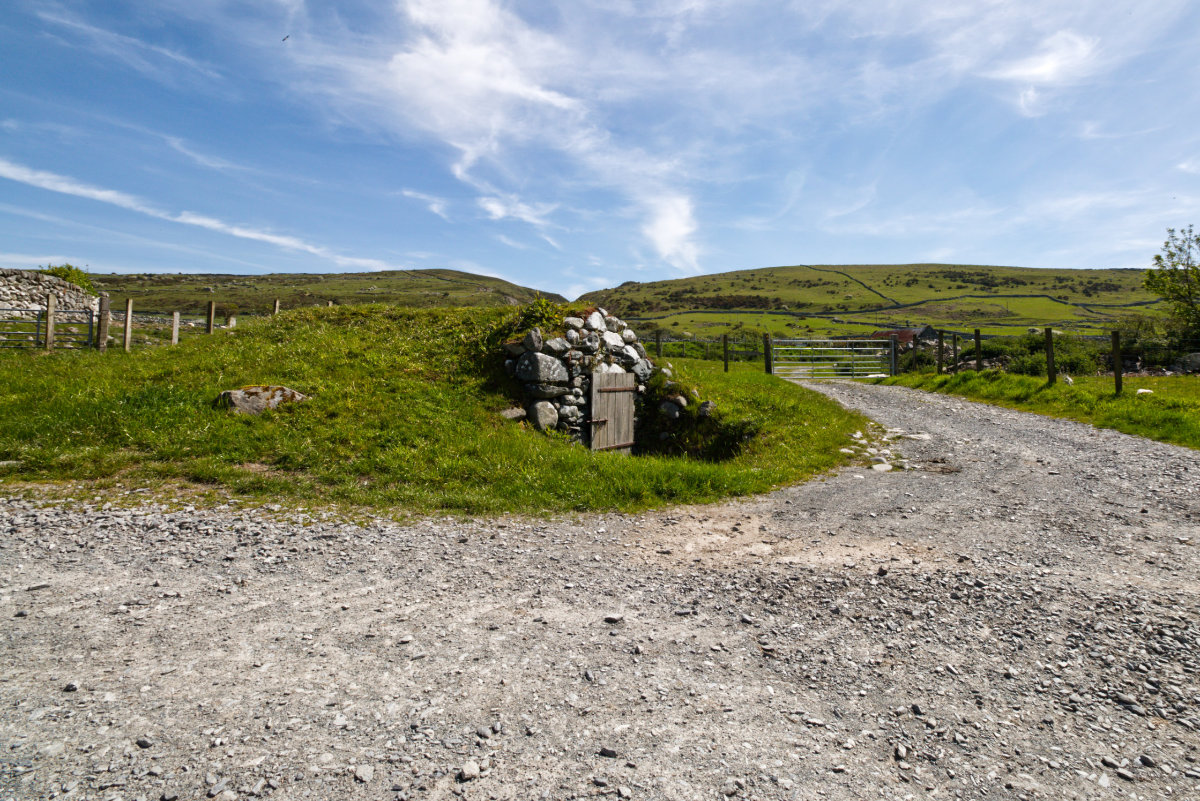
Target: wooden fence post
x=658 y=343
x=1116 y=357
x=725 y=350
x=941 y=350
x=954 y=351
x=1051 y=375
x=769 y=357
x=128 y=341
x=895 y=340
x=276 y=310
x=102 y=325
x=51 y=302
x=174 y=328
x=212 y=317
x=978 y=352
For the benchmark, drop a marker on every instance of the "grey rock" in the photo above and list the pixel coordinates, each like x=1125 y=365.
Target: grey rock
x=538 y=368
x=670 y=410
x=557 y=346
x=627 y=356
x=546 y=390
x=533 y=340
x=590 y=343
x=706 y=409
x=612 y=341
x=364 y=773
x=144 y=742
x=257 y=399
x=643 y=369
x=573 y=323
x=629 y=336
x=595 y=322
x=469 y=771
x=70 y=687
x=515 y=413
x=543 y=415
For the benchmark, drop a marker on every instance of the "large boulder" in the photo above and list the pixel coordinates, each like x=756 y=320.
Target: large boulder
x=543 y=415
x=257 y=398
x=595 y=322
x=538 y=368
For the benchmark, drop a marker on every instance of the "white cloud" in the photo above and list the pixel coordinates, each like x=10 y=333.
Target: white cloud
x=670 y=229
x=499 y=208
x=69 y=186
x=212 y=162
x=1063 y=58
x=436 y=205
x=1191 y=166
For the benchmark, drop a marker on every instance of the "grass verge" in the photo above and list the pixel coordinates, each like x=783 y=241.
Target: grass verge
x=1171 y=414
x=399 y=419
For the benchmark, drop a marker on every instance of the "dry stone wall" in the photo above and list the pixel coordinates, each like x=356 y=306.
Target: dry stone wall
x=26 y=290
x=556 y=373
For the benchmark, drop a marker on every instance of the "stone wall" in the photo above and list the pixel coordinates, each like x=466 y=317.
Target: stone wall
x=556 y=373
x=27 y=290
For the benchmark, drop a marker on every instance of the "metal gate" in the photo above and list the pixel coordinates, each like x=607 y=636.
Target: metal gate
x=28 y=328
x=833 y=358
x=612 y=411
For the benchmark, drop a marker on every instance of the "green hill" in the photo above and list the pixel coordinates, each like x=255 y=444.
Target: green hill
x=256 y=294
x=851 y=298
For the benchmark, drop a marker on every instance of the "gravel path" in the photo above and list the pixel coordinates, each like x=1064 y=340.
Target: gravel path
x=1015 y=616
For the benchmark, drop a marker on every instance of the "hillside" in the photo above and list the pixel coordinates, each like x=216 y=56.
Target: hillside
x=255 y=294
x=848 y=298
x=404 y=415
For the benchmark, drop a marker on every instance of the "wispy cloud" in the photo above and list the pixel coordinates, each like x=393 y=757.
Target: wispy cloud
x=69 y=186
x=205 y=160
x=148 y=59
x=1190 y=166
x=436 y=205
x=500 y=208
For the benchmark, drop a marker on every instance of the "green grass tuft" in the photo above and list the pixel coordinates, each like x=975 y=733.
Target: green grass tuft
x=401 y=417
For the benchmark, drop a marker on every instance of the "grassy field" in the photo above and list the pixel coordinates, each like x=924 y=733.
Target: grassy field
x=1171 y=414
x=399 y=420
x=256 y=294
x=846 y=299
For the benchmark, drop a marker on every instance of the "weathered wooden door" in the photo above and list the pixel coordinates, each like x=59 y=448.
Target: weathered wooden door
x=612 y=411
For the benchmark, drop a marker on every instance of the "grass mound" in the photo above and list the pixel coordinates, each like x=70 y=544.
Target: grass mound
x=1171 y=414
x=400 y=416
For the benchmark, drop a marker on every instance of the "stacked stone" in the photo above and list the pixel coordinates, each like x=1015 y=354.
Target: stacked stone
x=26 y=290
x=557 y=372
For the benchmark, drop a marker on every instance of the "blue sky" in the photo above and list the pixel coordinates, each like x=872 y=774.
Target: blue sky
x=572 y=146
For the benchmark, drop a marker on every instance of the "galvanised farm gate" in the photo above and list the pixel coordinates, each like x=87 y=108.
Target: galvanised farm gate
x=833 y=358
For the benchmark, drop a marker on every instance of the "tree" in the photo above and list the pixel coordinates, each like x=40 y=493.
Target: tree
x=1176 y=276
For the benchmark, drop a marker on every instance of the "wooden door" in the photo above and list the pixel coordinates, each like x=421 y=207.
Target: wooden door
x=612 y=411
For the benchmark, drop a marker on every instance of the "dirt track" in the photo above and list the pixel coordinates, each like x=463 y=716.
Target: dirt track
x=1014 y=617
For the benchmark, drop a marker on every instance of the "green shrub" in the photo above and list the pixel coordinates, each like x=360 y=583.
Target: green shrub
x=699 y=432
x=72 y=275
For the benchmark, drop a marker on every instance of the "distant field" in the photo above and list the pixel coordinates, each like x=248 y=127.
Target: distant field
x=256 y=294
x=818 y=300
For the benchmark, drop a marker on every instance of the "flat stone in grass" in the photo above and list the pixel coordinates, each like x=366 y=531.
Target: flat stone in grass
x=257 y=398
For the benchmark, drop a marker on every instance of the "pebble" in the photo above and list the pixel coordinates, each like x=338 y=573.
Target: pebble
x=469 y=771
x=364 y=773
x=608 y=753
x=612 y=620
x=144 y=742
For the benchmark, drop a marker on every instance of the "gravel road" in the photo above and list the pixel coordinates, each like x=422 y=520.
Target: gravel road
x=1013 y=616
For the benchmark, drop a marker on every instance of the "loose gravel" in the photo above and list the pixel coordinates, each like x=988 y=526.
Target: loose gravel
x=989 y=604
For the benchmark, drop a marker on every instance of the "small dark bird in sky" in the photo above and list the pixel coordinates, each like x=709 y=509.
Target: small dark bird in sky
x=284 y=39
